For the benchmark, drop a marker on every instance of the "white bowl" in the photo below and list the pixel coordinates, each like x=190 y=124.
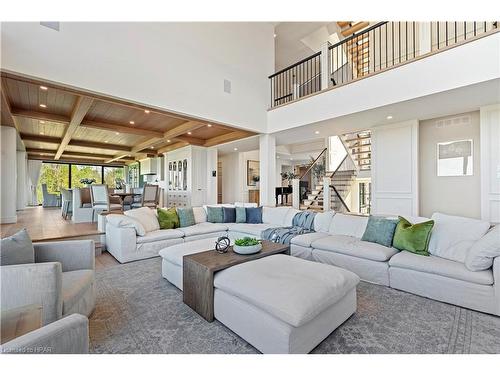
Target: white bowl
x=245 y=250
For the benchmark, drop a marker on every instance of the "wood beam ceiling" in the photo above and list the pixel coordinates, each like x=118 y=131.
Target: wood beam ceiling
x=36 y=115
x=80 y=109
x=76 y=160
x=224 y=138
x=7 y=110
x=72 y=154
x=73 y=142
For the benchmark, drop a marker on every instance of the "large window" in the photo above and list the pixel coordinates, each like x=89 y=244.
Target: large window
x=55 y=176
x=111 y=175
x=79 y=172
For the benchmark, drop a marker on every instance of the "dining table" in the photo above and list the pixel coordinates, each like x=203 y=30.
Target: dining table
x=123 y=196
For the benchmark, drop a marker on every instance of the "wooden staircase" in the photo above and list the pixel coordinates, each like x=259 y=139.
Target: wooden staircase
x=342 y=180
x=359 y=146
x=358 y=48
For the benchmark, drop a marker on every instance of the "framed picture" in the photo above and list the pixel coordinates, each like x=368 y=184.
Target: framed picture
x=252 y=172
x=455 y=158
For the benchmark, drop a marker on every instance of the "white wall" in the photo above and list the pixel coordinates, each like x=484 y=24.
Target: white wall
x=454 y=195
x=458 y=67
x=22 y=180
x=8 y=182
x=395 y=169
x=490 y=163
x=175 y=66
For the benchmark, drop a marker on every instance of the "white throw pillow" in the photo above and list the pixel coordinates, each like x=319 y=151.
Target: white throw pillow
x=453 y=236
x=481 y=254
x=274 y=215
x=122 y=221
x=322 y=221
x=348 y=225
x=146 y=216
x=200 y=215
x=288 y=222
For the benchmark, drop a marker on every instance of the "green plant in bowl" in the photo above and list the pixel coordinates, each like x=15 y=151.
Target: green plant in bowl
x=246 y=241
x=247 y=245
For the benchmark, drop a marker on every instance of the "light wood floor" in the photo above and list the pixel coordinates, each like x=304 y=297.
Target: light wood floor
x=105 y=260
x=47 y=223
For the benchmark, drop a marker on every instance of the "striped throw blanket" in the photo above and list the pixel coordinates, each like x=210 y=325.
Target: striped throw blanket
x=303 y=222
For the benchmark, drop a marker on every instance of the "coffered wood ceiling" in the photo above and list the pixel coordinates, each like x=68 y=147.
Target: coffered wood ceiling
x=66 y=124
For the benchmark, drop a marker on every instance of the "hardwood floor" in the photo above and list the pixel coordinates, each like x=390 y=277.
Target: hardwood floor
x=105 y=260
x=47 y=223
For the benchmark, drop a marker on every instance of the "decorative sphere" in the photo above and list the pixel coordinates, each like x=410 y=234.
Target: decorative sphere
x=222 y=244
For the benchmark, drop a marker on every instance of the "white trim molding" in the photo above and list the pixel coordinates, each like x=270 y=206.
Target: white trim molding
x=490 y=162
x=394 y=161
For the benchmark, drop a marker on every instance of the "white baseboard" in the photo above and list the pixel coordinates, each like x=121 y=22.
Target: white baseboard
x=8 y=220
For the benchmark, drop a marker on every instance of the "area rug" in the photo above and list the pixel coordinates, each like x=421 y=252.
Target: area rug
x=140 y=312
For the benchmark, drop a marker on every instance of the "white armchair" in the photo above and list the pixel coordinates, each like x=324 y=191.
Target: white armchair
x=82 y=206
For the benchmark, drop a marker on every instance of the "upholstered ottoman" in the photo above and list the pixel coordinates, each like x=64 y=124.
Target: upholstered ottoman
x=283 y=304
x=171 y=265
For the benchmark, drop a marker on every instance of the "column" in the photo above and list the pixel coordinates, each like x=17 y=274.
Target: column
x=22 y=182
x=267 y=157
x=211 y=172
x=8 y=171
x=326 y=194
x=325 y=66
x=296 y=193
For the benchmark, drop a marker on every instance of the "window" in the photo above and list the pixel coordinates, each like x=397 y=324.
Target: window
x=85 y=171
x=111 y=175
x=56 y=176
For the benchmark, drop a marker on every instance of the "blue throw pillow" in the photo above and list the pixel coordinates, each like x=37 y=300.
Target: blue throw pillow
x=254 y=215
x=380 y=230
x=186 y=217
x=215 y=214
x=241 y=215
x=229 y=214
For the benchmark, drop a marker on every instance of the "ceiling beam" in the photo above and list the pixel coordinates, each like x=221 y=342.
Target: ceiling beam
x=172 y=147
x=74 y=161
x=80 y=109
x=71 y=154
x=36 y=115
x=190 y=140
x=73 y=142
x=228 y=137
x=169 y=134
x=7 y=110
x=121 y=128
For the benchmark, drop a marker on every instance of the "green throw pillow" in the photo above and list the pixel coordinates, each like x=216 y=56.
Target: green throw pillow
x=413 y=237
x=380 y=230
x=215 y=214
x=186 y=217
x=241 y=215
x=168 y=219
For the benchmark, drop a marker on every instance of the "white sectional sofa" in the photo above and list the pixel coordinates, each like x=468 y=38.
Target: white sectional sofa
x=442 y=276
x=127 y=240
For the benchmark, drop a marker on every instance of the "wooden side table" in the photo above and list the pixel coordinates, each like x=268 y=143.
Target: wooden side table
x=199 y=270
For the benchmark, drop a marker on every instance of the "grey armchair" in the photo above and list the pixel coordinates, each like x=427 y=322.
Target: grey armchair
x=50 y=200
x=69 y=335
x=61 y=280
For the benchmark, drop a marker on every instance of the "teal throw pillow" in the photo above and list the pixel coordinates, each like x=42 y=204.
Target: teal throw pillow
x=380 y=230
x=241 y=215
x=215 y=214
x=186 y=217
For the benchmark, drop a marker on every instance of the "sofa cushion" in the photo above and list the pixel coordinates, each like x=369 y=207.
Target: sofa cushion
x=241 y=215
x=307 y=239
x=229 y=214
x=122 y=221
x=17 y=249
x=252 y=229
x=355 y=247
x=291 y=289
x=146 y=216
x=203 y=228
x=440 y=266
x=175 y=253
x=481 y=254
x=245 y=204
x=200 y=215
x=413 y=237
x=186 y=216
x=274 y=215
x=254 y=215
x=348 y=225
x=159 y=235
x=290 y=215
x=322 y=221
x=168 y=218
x=380 y=230
x=215 y=214
x=74 y=285
x=453 y=236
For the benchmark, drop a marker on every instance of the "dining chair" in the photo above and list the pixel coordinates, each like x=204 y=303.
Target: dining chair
x=100 y=200
x=150 y=196
x=50 y=200
x=67 y=203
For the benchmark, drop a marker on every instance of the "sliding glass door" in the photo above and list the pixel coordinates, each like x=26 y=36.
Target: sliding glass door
x=55 y=176
x=79 y=172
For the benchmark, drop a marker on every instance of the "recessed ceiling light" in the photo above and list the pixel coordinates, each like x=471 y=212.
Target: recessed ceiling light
x=106 y=141
x=42 y=122
x=277 y=157
x=117 y=133
x=291 y=158
x=189 y=133
x=168 y=140
x=132 y=122
x=235 y=149
x=43 y=105
x=147 y=111
x=389 y=117
x=275 y=35
x=209 y=125
x=316 y=132
x=44 y=88
x=42 y=133
x=152 y=147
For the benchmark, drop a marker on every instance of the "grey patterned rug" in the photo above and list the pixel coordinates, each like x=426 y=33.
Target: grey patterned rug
x=140 y=312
